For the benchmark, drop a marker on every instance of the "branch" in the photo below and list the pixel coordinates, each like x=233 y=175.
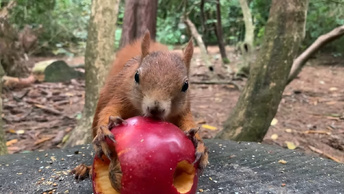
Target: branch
x=200 y=43
x=217 y=83
x=15 y=82
x=249 y=27
x=300 y=61
x=4 y=12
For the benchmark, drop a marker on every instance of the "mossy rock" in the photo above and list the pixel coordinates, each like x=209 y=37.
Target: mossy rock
x=56 y=71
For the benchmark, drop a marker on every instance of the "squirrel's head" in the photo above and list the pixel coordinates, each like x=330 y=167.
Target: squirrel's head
x=161 y=82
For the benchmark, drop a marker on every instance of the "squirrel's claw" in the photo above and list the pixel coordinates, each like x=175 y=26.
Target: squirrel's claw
x=191 y=135
x=82 y=171
x=201 y=154
x=115 y=121
x=99 y=143
x=201 y=157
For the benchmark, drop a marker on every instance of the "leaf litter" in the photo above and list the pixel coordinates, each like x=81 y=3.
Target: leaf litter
x=311 y=113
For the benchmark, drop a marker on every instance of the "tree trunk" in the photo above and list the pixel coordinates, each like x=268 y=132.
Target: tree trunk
x=262 y=94
x=11 y=51
x=98 y=56
x=3 y=147
x=202 y=16
x=246 y=48
x=219 y=33
x=138 y=17
x=324 y=39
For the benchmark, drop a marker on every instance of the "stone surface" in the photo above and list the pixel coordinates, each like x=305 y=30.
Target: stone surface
x=234 y=168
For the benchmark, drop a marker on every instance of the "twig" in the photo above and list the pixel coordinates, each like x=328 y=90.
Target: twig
x=43 y=140
x=317 y=132
x=48 y=109
x=324 y=154
x=322 y=40
x=213 y=82
x=217 y=82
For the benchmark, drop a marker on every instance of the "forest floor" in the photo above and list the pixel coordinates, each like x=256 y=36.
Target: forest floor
x=310 y=117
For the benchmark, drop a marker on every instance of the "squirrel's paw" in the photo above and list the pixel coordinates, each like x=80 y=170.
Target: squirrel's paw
x=99 y=143
x=115 y=121
x=82 y=171
x=201 y=151
x=115 y=175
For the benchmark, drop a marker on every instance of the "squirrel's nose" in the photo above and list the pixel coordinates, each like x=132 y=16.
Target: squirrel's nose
x=156 y=111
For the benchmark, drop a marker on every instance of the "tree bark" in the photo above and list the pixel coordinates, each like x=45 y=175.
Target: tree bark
x=138 y=17
x=219 y=33
x=98 y=56
x=258 y=103
x=200 y=43
x=324 y=39
x=11 y=51
x=3 y=147
x=202 y=16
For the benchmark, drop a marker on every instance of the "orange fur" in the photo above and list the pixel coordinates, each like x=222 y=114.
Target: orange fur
x=122 y=57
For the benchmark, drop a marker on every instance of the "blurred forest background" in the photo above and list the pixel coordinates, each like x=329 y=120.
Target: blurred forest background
x=42 y=47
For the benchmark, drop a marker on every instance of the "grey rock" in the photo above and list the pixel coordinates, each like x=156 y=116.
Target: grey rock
x=234 y=168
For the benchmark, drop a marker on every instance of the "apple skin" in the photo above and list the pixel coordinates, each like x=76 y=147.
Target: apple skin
x=149 y=152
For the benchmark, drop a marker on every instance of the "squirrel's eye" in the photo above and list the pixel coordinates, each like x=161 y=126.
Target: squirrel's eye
x=185 y=86
x=137 y=77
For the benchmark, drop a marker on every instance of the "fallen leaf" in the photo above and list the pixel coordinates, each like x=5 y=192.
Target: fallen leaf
x=69 y=94
x=333 y=89
x=290 y=145
x=11 y=142
x=282 y=161
x=274 y=136
x=331 y=102
x=209 y=127
x=288 y=130
x=12 y=131
x=19 y=132
x=274 y=122
x=65 y=138
x=53 y=158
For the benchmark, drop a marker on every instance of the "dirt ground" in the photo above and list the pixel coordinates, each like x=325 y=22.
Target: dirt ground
x=310 y=117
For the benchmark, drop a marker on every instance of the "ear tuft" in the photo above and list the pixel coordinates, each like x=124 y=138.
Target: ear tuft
x=145 y=44
x=188 y=52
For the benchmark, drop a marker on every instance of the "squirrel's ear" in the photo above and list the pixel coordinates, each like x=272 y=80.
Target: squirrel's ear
x=188 y=52
x=145 y=44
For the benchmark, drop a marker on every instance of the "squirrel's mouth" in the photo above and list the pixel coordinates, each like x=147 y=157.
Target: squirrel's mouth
x=155 y=113
x=155 y=117
x=157 y=109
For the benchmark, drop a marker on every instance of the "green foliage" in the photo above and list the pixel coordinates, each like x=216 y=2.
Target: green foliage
x=322 y=17
x=170 y=28
x=64 y=22
x=260 y=12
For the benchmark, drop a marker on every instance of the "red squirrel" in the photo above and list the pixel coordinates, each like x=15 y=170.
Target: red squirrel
x=148 y=80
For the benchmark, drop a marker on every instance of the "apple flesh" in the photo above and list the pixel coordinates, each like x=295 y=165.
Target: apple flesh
x=155 y=157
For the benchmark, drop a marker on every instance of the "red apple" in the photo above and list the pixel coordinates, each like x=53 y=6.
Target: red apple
x=155 y=157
